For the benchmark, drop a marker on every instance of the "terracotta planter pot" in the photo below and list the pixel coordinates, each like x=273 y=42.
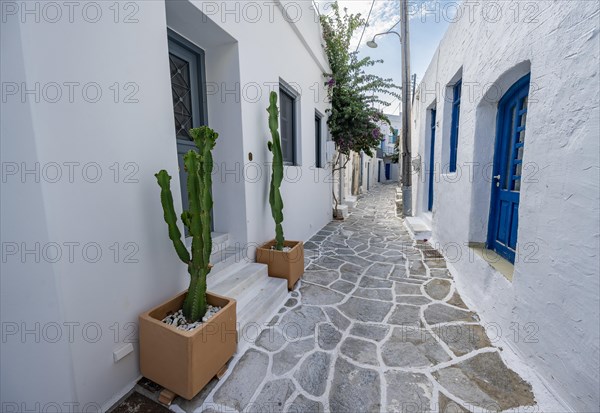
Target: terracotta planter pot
x=287 y=265
x=185 y=361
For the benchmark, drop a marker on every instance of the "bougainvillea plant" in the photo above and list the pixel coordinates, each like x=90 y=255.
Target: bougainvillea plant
x=354 y=118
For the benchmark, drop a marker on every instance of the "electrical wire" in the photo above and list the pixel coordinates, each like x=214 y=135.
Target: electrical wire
x=392 y=28
x=366 y=24
x=397 y=108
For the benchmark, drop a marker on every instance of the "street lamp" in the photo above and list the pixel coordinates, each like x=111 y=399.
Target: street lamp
x=373 y=44
x=406 y=106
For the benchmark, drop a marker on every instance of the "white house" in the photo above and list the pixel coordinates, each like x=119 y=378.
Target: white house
x=506 y=185
x=388 y=169
x=96 y=98
x=362 y=172
x=358 y=174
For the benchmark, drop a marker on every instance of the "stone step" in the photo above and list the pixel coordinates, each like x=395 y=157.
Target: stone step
x=232 y=281
x=215 y=276
x=219 y=238
x=350 y=201
x=342 y=210
x=257 y=305
x=225 y=257
x=418 y=228
x=220 y=242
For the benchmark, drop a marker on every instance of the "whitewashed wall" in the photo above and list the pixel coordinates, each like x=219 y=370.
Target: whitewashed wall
x=264 y=36
x=396 y=121
x=555 y=289
x=394 y=173
x=369 y=168
x=94 y=301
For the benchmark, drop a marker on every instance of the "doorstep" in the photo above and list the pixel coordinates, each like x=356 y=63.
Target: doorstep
x=418 y=228
x=350 y=201
x=500 y=264
x=343 y=209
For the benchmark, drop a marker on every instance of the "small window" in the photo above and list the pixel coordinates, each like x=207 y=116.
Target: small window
x=455 y=121
x=394 y=135
x=288 y=126
x=318 y=141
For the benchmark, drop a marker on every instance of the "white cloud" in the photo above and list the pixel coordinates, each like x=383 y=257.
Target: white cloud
x=385 y=14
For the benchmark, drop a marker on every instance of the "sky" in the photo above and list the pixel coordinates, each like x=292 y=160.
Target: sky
x=428 y=23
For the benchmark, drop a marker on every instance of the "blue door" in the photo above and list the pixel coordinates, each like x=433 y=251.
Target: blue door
x=508 y=165
x=431 y=161
x=388 y=171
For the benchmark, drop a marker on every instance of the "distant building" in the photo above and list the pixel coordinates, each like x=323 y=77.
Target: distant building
x=389 y=150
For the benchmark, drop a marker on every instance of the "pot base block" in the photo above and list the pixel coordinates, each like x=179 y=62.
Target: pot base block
x=185 y=361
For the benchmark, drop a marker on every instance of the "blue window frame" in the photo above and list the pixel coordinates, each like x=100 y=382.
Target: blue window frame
x=455 y=121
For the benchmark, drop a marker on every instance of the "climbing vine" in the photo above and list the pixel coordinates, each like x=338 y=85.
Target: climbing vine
x=354 y=120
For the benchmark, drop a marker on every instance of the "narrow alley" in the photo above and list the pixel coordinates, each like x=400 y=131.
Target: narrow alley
x=375 y=324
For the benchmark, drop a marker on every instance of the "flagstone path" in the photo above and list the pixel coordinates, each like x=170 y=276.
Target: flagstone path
x=376 y=324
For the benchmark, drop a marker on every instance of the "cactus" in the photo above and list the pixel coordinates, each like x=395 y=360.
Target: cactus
x=274 y=146
x=197 y=218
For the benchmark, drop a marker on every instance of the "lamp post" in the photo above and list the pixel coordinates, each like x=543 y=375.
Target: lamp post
x=406 y=107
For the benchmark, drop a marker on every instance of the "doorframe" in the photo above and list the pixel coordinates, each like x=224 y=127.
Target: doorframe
x=182 y=42
x=498 y=164
x=432 y=138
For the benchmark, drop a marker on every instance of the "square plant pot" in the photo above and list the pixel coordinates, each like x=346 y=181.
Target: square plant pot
x=185 y=361
x=287 y=265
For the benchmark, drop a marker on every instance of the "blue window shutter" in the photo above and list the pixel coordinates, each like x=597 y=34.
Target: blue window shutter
x=454 y=128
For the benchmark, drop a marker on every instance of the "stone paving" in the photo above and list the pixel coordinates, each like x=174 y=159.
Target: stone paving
x=375 y=324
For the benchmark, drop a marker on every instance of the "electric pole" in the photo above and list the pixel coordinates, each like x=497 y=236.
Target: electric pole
x=406 y=112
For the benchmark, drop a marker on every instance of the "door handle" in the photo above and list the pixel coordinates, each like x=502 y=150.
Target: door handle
x=497 y=178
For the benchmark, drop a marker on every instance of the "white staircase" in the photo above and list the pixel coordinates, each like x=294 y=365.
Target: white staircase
x=258 y=296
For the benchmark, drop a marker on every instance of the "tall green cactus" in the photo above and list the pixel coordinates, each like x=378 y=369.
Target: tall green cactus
x=277 y=175
x=197 y=218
